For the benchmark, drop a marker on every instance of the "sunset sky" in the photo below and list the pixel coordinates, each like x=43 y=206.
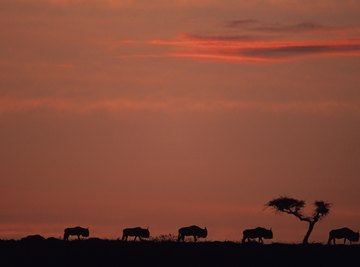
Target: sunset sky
x=168 y=113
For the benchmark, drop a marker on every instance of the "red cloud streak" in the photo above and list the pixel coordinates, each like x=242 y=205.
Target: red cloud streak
x=235 y=49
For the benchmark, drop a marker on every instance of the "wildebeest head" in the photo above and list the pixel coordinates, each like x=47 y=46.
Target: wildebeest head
x=146 y=233
x=86 y=232
x=268 y=234
x=203 y=233
x=354 y=237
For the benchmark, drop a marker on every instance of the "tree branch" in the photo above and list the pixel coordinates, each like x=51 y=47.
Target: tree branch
x=298 y=215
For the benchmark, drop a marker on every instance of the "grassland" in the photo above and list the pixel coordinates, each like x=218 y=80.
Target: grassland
x=97 y=252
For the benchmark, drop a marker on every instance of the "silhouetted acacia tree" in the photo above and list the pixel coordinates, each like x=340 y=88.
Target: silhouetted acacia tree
x=294 y=206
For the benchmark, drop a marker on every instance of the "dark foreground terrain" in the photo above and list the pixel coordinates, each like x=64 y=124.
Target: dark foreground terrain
x=96 y=252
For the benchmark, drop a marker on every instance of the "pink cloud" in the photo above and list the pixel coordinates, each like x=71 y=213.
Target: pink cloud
x=234 y=49
x=251 y=40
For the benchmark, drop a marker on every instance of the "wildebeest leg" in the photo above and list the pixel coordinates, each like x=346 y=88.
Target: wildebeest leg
x=344 y=241
x=78 y=237
x=261 y=240
x=195 y=239
x=135 y=238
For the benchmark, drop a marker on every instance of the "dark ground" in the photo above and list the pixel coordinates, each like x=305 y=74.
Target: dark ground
x=96 y=252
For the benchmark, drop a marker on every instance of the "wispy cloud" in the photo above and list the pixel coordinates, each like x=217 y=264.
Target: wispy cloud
x=237 y=49
x=261 y=26
x=295 y=28
x=302 y=49
x=245 y=38
x=13 y=105
x=251 y=40
x=241 y=22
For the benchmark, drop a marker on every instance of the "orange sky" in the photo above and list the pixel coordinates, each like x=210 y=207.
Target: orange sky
x=164 y=114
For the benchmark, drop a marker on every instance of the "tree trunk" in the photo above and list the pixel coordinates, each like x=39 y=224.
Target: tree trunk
x=308 y=233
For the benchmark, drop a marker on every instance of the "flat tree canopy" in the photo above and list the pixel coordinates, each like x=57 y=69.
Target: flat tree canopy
x=295 y=207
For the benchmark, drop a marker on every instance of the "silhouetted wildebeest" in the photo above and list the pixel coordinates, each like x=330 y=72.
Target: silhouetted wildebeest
x=194 y=231
x=138 y=232
x=78 y=231
x=345 y=233
x=258 y=232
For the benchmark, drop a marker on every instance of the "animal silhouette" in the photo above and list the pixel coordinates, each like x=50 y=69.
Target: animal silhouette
x=345 y=233
x=258 y=233
x=194 y=231
x=78 y=231
x=137 y=232
x=33 y=238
